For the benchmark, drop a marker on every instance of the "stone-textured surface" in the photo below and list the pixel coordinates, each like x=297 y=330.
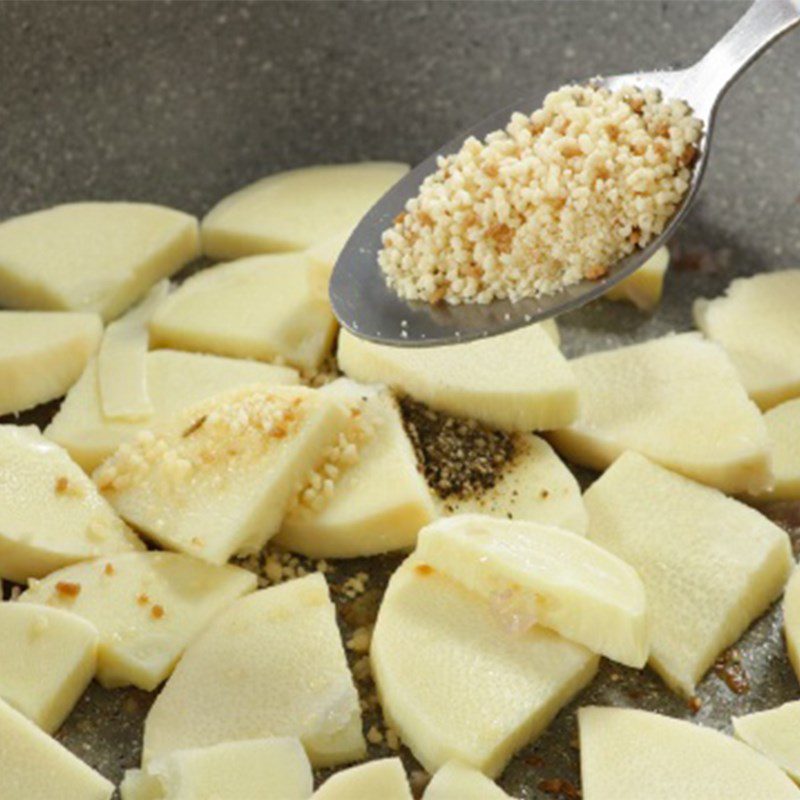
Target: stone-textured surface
x=181 y=103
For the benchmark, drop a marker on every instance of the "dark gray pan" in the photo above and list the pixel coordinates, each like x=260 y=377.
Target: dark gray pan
x=182 y=103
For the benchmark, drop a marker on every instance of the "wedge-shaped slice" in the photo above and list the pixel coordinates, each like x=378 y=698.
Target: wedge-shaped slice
x=92 y=256
x=454 y=781
x=271 y=665
x=676 y=400
x=43 y=354
x=48 y=658
x=175 y=381
x=217 y=479
x=628 y=754
x=258 y=769
x=783 y=429
x=644 y=287
x=34 y=766
x=51 y=514
x=537 y=574
x=710 y=565
x=375 y=500
x=122 y=368
x=147 y=607
x=791 y=620
x=535 y=486
x=264 y=307
x=456 y=682
x=776 y=734
x=757 y=322
x=296 y=209
x=517 y=381
x=384 y=779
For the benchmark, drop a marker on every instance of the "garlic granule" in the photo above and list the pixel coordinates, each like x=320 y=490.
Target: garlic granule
x=557 y=197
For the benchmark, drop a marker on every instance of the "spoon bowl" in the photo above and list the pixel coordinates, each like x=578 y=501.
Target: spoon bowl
x=367 y=307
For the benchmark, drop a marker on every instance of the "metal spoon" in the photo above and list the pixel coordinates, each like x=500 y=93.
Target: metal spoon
x=367 y=307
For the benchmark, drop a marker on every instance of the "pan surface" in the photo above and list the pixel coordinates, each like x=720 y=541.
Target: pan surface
x=182 y=103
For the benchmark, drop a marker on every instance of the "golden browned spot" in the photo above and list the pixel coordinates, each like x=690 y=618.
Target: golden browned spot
x=425 y=219
x=502 y=235
x=689 y=155
x=398 y=220
x=438 y=295
x=157 y=612
x=68 y=589
x=195 y=426
x=109 y=569
x=142 y=599
x=424 y=569
x=694 y=704
x=62 y=485
x=596 y=272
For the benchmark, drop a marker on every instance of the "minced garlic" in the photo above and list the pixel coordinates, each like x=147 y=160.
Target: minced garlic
x=557 y=197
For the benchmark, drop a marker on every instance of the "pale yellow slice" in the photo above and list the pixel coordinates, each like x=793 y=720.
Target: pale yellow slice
x=34 y=766
x=147 y=608
x=535 y=486
x=92 y=256
x=375 y=499
x=517 y=381
x=43 y=354
x=324 y=254
x=455 y=781
x=534 y=574
x=757 y=322
x=121 y=362
x=457 y=682
x=175 y=381
x=783 y=429
x=710 y=565
x=628 y=754
x=217 y=479
x=48 y=658
x=264 y=307
x=51 y=514
x=258 y=769
x=384 y=779
x=296 y=209
x=272 y=664
x=645 y=286
x=776 y=734
x=791 y=620
x=676 y=400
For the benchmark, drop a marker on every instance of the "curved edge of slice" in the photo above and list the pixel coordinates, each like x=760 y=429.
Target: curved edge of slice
x=456 y=683
x=627 y=754
x=271 y=664
x=270 y=769
x=455 y=781
x=290 y=210
x=539 y=574
x=384 y=779
x=535 y=486
x=774 y=733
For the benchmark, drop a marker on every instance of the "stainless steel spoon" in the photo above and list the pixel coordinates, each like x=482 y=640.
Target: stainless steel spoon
x=368 y=308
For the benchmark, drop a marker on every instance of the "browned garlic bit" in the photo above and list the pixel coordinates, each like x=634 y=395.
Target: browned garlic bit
x=556 y=197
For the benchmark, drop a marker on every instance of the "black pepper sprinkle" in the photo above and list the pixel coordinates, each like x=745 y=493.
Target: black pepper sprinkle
x=458 y=457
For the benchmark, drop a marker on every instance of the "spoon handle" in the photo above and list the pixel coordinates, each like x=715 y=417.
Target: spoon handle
x=763 y=22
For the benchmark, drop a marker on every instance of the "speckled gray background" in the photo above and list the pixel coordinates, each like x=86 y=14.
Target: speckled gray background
x=180 y=103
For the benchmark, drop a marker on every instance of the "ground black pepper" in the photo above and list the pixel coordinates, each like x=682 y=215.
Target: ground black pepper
x=458 y=457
